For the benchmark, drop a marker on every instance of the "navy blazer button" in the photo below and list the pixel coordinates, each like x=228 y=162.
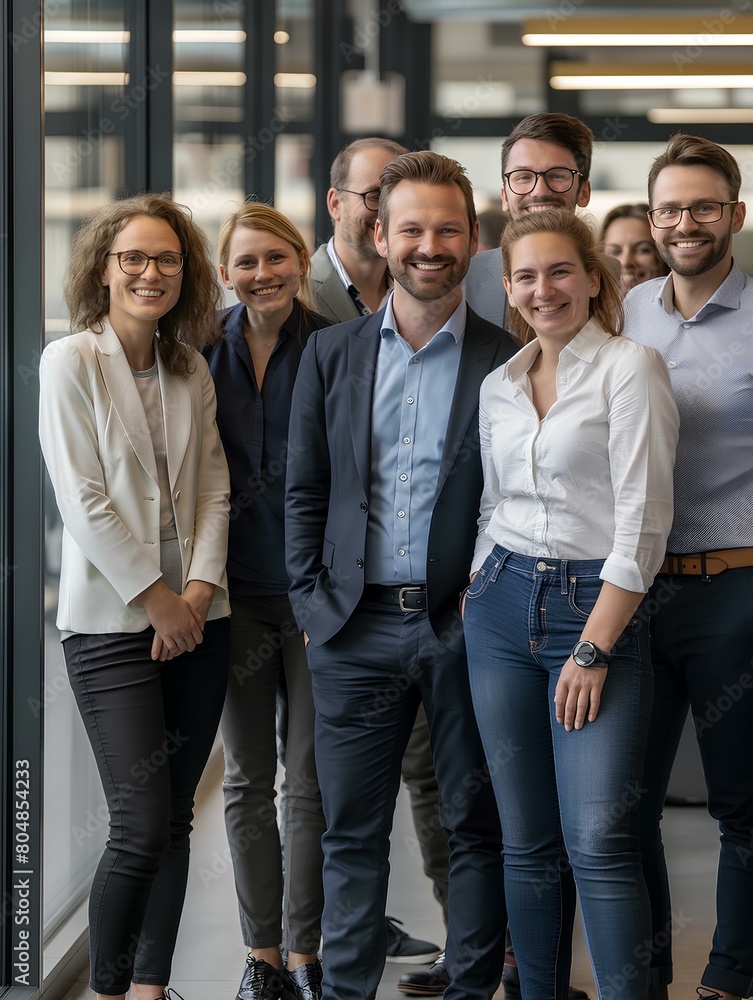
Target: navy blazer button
x=364 y=506
x=359 y=563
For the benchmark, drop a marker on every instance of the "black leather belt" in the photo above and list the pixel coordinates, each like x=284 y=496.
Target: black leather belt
x=410 y=597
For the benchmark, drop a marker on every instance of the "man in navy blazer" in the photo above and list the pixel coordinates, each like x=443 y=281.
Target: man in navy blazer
x=383 y=489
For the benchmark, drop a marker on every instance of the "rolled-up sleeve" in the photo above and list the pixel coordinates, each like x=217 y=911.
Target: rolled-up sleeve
x=643 y=431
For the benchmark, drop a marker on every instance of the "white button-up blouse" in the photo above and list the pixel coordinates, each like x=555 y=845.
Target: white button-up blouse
x=593 y=479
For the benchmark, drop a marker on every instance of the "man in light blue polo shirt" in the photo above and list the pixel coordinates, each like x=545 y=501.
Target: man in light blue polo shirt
x=700 y=319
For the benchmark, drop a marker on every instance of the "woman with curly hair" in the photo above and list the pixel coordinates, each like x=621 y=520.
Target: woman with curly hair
x=128 y=431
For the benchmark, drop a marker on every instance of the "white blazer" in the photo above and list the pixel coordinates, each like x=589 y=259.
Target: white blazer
x=98 y=450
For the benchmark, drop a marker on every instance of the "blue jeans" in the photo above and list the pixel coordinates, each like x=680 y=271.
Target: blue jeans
x=577 y=791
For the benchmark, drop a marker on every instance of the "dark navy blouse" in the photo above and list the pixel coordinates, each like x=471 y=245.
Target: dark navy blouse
x=253 y=426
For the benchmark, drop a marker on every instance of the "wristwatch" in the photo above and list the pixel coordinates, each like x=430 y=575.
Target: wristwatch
x=588 y=654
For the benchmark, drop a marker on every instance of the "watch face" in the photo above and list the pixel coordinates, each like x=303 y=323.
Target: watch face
x=584 y=653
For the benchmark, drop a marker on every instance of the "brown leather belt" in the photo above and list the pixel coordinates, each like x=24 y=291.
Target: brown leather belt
x=707 y=563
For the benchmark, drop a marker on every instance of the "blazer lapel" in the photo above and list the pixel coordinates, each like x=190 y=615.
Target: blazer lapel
x=363 y=348
x=125 y=398
x=475 y=364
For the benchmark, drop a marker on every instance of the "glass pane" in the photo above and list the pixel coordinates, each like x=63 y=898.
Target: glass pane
x=85 y=81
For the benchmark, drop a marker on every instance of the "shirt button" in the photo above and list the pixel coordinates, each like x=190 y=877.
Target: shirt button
x=415 y=360
x=403 y=478
x=686 y=326
x=406 y=440
x=401 y=552
x=410 y=399
x=671 y=364
x=401 y=513
x=562 y=378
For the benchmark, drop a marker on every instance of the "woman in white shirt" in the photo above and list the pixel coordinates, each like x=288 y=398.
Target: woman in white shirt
x=578 y=433
x=127 y=425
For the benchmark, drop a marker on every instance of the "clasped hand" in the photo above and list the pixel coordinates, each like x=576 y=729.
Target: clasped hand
x=177 y=619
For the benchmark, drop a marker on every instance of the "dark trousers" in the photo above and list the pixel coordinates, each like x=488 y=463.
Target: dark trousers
x=151 y=726
x=701 y=653
x=368 y=681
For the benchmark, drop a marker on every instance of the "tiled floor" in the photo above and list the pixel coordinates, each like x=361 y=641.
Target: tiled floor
x=210 y=955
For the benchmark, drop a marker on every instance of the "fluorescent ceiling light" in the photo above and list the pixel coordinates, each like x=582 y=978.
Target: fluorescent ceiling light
x=196 y=79
x=614 y=82
x=222 y=37
x=296 y=81
x=689 y=31
x=626 y=40
x=53 y=79
x=87 y=37
x=702 y=116
x=647 y=76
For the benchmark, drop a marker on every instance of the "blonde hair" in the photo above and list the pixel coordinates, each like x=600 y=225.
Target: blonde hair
x=606 y=305
x=262 y=217
x=192 y=322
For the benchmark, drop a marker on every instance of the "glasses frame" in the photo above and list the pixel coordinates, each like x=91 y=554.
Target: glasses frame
x=135 y=274
x=689 y=210
x=364 y=195
x=541 y=173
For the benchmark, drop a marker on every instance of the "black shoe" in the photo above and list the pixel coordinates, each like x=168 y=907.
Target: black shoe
x=401 y=947
x=511 y=983
x=307 y=980
x=262 y=981
x=431 y=983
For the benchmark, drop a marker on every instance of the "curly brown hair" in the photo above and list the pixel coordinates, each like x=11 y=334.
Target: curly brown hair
x=192 y=322
x=606 y=305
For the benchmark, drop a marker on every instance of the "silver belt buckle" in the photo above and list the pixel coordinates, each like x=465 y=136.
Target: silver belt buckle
x=407 y=590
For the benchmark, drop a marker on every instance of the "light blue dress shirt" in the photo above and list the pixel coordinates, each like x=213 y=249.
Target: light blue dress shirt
x=410 y=411
x=710 y=363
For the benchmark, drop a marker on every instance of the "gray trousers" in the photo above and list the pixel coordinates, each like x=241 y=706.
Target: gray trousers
x=266 y=648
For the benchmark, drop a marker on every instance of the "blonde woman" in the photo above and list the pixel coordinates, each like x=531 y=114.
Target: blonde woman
x=264 y=261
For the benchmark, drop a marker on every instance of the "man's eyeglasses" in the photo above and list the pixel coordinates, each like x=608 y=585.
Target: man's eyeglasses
x=370 y=198
x=704 y=211
x=557 y=179
x=135 y=262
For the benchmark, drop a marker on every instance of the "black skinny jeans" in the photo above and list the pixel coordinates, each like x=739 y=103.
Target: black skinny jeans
x=151 y=726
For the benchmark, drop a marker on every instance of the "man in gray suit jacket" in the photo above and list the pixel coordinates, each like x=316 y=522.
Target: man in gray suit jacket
x=381 y=509
x=546 y=160
x=348 y=277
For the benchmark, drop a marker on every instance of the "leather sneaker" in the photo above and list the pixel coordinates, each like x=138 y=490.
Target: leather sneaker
x=307 y=981
x=262 y=981
x=431 y=983
x=401 y=947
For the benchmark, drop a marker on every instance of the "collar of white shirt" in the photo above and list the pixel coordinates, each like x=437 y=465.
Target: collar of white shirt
x=585 y=345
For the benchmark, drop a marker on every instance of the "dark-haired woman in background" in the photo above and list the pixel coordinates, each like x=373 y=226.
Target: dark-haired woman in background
x=264 y=260
x=127 y=425
x=626 y=236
